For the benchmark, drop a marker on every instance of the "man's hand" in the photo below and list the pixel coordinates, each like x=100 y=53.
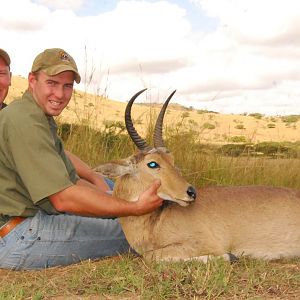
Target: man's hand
x=149 y=200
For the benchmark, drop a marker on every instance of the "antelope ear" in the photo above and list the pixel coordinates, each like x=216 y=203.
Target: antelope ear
x=116 y=168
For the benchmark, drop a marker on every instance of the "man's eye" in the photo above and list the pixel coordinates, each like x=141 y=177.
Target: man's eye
x=153 y=165
x=51 y=83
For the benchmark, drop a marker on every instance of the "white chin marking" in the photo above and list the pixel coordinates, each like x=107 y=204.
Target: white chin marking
x=167 y=197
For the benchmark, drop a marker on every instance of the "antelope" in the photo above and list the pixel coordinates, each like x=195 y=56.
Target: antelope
x=230 y=221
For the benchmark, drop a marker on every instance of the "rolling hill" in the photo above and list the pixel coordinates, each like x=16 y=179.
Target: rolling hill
x=212 y=127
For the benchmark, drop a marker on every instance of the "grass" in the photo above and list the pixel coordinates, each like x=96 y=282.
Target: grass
x=129 y=277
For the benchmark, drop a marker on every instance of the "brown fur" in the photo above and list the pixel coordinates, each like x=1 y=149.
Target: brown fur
x=260 y=221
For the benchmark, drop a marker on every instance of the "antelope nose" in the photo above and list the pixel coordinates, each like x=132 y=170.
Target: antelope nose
x=191 y=191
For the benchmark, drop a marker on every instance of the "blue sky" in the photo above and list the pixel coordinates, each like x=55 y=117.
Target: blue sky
x=230 y=56
x=199 y=20
x=93 y=8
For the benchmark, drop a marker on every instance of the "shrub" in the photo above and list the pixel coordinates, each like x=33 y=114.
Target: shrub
x=237 y=139
x=276 y=149
x=290 y=118
x=232 y=149
x=208 y=126
x=202 y=111
x=256 y=115
x=114 y=127
x=239 y=126
x=185 y=115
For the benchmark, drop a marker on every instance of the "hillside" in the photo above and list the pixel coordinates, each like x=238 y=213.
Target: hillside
x=212 y=127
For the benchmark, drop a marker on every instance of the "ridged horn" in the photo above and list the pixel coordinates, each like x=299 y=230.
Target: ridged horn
x=157 y=136
x=138 y=141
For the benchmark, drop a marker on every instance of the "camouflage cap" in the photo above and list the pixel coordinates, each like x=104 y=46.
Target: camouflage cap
x=5 y=56
x=54 y=61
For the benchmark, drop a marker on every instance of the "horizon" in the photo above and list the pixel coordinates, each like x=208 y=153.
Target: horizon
x=147 y=101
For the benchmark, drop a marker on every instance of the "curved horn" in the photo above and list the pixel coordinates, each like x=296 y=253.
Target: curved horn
x=138 y=141
x=157 y=136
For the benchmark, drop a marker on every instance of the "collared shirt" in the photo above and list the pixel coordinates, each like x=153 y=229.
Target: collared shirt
x=33 y=164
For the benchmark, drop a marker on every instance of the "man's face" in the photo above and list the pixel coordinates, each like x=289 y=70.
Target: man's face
x=52 y=93
x=5 y=80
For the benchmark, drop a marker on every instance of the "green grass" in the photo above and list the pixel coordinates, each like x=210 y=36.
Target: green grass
x=129 y=277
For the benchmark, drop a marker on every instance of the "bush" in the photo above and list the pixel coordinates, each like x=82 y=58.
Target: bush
x=233 y=149
x=239 y=126
x=276 y=149
x=185 y=115
x=237 y=139
x=290 y=118
x=271 y=149
x=208 y=126
x=256 y=115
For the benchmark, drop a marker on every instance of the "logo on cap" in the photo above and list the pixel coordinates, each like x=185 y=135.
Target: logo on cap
x=64 y=56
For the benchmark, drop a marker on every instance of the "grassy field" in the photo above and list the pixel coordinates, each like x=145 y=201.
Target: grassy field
x=129 y=277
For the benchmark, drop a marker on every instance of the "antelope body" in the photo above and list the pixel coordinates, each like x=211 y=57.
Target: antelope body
x=259 y=221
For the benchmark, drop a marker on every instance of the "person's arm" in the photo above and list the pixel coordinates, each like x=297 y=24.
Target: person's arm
x=86 y=172
x=83 y=200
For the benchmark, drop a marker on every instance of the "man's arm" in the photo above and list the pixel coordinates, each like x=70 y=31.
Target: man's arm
x=83 y=200
x=86 y=172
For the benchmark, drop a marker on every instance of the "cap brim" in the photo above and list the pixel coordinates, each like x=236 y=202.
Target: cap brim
x=5 y=56
x=54 y=70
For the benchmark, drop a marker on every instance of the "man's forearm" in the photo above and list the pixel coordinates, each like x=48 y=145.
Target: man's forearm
x=88 y=201
x=84 y=200
x=86 y=172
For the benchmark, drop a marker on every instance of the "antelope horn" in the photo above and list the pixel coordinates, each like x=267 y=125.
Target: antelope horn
x=157 y=136
x=138 y=141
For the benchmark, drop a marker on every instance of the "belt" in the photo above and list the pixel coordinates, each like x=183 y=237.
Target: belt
x=10 y=225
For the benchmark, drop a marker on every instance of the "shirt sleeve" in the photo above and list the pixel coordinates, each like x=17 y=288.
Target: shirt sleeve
x=33 y=155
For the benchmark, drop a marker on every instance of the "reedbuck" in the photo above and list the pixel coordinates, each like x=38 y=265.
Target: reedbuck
x=259 y=221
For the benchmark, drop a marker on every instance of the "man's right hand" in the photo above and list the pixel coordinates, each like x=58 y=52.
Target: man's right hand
x=149 y=200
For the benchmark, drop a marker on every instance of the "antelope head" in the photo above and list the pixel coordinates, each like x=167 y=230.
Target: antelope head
x=135 y=173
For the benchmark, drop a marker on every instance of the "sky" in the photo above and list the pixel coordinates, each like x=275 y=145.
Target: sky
x=228 y=56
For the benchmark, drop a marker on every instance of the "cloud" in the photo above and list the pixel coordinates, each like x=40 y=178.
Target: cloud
x=152 y=66
x=251 y=57
x=255 y=21
x=27 y=17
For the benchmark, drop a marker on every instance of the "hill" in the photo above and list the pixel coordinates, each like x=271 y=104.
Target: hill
x=212 y=127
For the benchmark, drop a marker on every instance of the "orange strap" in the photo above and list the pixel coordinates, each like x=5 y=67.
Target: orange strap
x=10 y=225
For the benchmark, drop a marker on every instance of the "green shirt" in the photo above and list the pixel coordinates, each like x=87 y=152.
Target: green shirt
x=33 y=164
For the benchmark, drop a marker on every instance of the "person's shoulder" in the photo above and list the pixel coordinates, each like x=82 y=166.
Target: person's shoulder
x=24 y=108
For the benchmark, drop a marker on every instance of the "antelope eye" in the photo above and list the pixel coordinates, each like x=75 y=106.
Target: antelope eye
x=153 y=165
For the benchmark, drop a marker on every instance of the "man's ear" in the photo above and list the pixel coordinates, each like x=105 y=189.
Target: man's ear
x=116 y=168
x=10 y=75
x=31 y=79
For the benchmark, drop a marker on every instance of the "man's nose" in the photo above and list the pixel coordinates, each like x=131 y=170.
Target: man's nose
x=59 y=92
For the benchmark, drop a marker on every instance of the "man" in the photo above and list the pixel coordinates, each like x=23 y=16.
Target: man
x=50 y=216
x=5 y=76
x=82 y=169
